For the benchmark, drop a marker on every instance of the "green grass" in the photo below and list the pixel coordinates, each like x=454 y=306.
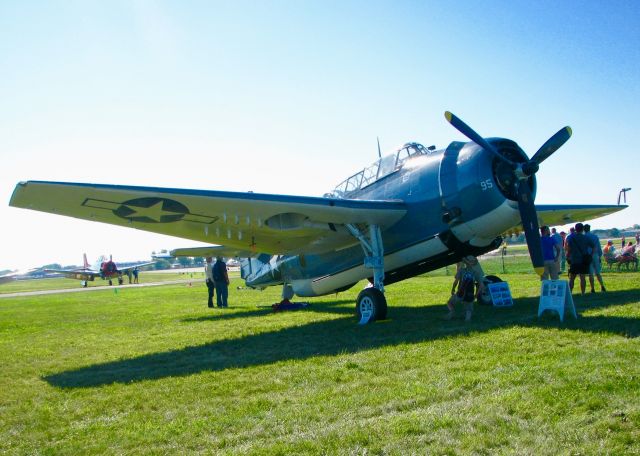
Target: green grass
x=154 y=371
x=17 y=286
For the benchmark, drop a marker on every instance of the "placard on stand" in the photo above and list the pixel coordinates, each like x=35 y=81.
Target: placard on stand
x=556 y=295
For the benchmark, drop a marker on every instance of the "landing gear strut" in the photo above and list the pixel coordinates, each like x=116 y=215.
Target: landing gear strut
x=371 y=301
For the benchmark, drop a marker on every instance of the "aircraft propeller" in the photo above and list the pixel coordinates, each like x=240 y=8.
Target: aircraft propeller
x=522 y=172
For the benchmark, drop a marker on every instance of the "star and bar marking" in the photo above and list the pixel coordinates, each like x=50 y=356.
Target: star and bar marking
x=150 y=210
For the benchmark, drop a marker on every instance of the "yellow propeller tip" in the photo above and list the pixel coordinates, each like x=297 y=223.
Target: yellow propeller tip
x=448 y=115
x=539 y=271
x=569 y=130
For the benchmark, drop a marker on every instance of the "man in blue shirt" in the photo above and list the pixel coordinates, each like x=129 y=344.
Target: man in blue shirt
x=550 y=253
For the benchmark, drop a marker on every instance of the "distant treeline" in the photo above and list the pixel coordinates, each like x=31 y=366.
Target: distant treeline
x=611 y=233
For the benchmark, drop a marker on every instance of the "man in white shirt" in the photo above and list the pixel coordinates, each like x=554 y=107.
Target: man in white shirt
x=208 y=277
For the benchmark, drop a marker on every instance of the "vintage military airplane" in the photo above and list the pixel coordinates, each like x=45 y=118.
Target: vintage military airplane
x=10 y=277
x=31 y=273
x=103 y=268
x=410 y=212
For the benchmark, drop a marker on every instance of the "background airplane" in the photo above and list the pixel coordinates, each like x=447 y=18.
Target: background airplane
x=103 y=268
x=11 y=276
x=410 y=212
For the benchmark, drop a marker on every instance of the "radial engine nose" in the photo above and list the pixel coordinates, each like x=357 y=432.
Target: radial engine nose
x=506 y=173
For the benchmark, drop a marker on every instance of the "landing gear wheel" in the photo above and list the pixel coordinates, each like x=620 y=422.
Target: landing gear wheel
x=485 y=298
x=120 y=281
x=372 y=299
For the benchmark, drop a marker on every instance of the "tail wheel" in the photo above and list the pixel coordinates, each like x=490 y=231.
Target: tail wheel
x=373 y=300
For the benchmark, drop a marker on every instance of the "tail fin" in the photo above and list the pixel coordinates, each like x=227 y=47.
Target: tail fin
x=86 y=263
x=97 y=266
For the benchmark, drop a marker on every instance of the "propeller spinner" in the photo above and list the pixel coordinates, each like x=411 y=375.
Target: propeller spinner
x=522 y=172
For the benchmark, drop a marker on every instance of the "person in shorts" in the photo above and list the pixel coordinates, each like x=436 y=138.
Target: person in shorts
x=462 y=291
x=473 y=264
x=595 y=268
x=550 y=253
x=579 y=253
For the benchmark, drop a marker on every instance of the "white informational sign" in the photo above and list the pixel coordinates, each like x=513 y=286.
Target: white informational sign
x=500 y=294
x=556 y=295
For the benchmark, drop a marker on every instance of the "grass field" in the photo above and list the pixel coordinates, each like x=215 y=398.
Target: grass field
x=154 y=371
x=17 y=286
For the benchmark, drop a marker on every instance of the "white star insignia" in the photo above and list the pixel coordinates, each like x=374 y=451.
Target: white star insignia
x=154 y=212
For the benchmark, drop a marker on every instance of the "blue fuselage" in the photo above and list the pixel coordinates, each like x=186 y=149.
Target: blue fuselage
x=455 y=207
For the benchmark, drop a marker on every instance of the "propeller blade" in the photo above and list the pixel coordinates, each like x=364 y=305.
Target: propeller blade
x=470 y=133
x=530 y=225
x=554 y=143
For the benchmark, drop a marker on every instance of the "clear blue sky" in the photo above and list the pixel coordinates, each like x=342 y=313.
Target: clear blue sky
x=289 y=96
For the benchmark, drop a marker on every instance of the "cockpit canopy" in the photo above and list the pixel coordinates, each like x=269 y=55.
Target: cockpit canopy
x=379 y=169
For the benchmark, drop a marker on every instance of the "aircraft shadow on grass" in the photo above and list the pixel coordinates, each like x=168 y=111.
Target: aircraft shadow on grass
x=339 y=336
x=324 y=307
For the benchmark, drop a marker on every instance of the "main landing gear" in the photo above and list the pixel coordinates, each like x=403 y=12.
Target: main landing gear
x=371 y=304
x=371 y=301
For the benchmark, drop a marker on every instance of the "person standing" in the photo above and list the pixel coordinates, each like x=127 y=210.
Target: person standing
x=221 y=279
x=463 y=291
x=560 y=241
x=595 y=267
x=563 y=253
x=550 y=253
x=572 y=231
x=135 y=275
x=579 y=251
x=473 y=265
x=208 y=277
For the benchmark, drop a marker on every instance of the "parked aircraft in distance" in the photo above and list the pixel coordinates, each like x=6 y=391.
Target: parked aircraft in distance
x=410 y=212
x=103 y=268
x=11 y=276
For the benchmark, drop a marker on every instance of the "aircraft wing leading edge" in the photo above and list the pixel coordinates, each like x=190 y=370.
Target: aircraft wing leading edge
x=277 y=224
x=78 y=274
x=131 y=267
x=563 y=214
x=9 y=277
x=212 y=251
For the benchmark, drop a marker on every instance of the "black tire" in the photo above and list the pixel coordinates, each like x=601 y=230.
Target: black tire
x=374 y=300
x=485 y=298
